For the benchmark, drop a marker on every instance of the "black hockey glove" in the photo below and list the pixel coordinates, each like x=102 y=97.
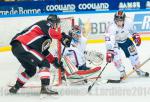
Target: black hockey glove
x=66 y=40
x=57 y=64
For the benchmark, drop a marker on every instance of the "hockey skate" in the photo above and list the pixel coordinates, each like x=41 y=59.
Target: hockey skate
x=47 y=91
x=13 y=90
x=141 y=73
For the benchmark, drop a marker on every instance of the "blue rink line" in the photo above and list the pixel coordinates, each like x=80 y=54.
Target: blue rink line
x=70 y=13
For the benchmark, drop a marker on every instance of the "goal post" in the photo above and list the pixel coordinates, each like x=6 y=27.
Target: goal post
x=66 y=25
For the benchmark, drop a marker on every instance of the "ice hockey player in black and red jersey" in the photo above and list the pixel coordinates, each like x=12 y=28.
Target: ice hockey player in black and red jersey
x=31 y=46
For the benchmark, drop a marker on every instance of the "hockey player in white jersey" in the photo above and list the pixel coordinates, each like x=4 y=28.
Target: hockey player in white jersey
x=118 y=37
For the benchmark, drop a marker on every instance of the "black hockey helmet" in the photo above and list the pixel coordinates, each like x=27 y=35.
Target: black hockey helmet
x=52 y=18
x=119 y=15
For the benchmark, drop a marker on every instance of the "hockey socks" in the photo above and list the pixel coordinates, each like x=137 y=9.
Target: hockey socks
x=16 y=87
x=21 y=80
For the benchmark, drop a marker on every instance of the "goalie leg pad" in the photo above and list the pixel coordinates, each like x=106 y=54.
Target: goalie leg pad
x=69 y=67
x=72 y=69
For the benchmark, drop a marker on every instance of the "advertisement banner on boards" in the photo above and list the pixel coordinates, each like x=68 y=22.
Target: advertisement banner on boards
x=70 y=6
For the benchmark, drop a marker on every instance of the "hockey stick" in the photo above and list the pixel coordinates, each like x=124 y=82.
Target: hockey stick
x=90 y=87
x=118 y=81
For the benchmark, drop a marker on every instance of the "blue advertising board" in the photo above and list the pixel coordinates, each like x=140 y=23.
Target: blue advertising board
x=71 y=6
x=142 y=22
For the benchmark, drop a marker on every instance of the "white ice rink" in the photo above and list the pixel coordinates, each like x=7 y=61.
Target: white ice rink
x=134 y=89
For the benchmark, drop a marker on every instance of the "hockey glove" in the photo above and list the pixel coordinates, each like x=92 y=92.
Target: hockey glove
x=137 y=39
x=57 y=64
x=109 y=56
x=66 y=40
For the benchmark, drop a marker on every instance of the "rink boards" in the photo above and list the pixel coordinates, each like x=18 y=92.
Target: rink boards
x=94 y=25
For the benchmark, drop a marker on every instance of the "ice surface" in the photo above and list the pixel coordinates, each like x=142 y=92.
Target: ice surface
x=133 y=89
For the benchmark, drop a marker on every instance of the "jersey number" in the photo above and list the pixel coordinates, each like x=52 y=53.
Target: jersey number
x=132 y=50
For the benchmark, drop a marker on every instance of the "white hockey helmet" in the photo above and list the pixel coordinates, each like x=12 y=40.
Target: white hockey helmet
x=76 y=30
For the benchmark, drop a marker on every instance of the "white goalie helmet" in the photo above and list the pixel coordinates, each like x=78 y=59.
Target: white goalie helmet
x=76 y=32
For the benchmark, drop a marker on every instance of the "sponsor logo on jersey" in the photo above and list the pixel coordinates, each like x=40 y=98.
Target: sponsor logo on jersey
x=142 y=22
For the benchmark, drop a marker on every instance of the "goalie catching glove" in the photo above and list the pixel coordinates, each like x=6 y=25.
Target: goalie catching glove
x=94 y=57
x=66 y=40
x=137 y=39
